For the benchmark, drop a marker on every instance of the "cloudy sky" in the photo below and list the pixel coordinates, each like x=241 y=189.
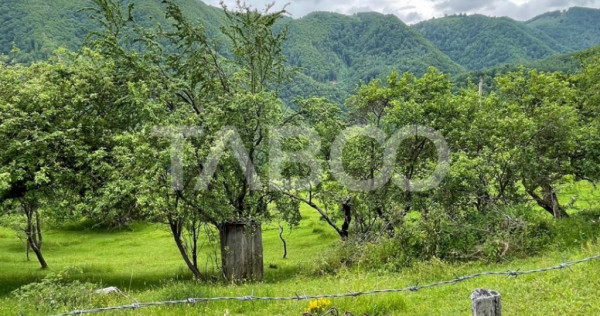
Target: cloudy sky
x=412 y=11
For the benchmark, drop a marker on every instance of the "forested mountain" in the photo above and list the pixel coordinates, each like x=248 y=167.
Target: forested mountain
x=333 y=47
x=333 y=52
x=576 y=28
x=565 y=63
x=39 y=27
x=343 y=50
x=477 y=41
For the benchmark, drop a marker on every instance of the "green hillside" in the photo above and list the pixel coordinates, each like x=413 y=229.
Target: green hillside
x=162 y=168
x=566 y=63
x=333 y=47
x=576 y=28
x=333 y=52
x=340 y=51
x=38 y=27
x=477 y=41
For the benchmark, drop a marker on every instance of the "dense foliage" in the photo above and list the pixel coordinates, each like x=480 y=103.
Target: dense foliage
x=37 y=28
x=333 y=52
x=344 y=50
x=575 y=28
x=477 y=41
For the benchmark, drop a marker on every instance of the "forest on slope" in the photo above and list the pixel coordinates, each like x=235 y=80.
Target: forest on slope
x=332 y=52
x=577 y=28
x=477 y=41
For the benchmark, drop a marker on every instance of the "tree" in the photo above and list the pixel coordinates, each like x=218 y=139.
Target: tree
x=324 y=195
x=587 y=83
x=546 y=133
x=389 y=108
x=203 y=103
x=52 y=127
x=37 y=134
x=393 y=107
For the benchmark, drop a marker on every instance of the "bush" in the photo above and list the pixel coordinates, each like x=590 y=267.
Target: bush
x=491 y=236
x=56 y=293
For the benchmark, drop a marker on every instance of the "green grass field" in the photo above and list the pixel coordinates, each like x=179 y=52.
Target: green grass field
x=145 y=264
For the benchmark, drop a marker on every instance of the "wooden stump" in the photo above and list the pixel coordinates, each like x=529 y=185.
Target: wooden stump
x=486 y=303
x=242 y=251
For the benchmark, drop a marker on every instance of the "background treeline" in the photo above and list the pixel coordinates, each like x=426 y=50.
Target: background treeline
x=334 y=52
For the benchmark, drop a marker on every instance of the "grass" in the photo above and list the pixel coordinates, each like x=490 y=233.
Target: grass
x=145 y=263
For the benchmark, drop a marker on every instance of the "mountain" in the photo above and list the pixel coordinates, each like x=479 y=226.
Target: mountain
x=565 y=63
x=480 y=42
x=333 y=52
x=576 y=28
x=39 y=27
x=343 y=50
x=477 y=41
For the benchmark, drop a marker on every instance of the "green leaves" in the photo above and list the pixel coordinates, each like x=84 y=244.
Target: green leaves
x=4 y=181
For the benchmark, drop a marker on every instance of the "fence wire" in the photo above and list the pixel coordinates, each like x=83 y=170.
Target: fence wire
x=413 y=288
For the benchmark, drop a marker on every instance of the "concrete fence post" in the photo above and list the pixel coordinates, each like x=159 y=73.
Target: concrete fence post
x=486 y=303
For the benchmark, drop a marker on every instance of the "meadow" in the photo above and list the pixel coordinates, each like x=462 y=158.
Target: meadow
x=143 y=262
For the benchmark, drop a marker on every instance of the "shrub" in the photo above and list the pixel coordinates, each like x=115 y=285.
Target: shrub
x=489 y=236
x=56 y=293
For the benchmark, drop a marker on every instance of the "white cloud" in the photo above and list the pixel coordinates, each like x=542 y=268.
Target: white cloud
x=412 y=11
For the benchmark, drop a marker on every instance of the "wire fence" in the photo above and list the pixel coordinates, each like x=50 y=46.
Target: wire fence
x=413 y=288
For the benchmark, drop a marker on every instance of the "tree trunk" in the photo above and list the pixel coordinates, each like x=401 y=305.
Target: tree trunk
x=389 y=226
x=33 y=231
x=347 y=209
x=27 y=249
x=283 y=241
x=40 y=256
x=549 y=202
x=176 y=230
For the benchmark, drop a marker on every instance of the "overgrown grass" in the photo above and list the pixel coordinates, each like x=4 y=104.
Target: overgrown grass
x=145 y=264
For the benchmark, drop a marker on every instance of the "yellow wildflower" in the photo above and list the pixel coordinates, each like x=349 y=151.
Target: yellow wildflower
x=318 y=306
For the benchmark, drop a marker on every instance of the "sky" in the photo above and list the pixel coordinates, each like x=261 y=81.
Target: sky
x=413 y=11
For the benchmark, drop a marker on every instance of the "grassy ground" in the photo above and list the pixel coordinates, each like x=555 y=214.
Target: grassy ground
x=145 y=263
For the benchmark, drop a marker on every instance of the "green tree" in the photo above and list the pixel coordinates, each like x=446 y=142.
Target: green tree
x=38 y=134
x=587 y=82
x=324 y=195
x=191 y=87
x=52 y=128
x=546 y=134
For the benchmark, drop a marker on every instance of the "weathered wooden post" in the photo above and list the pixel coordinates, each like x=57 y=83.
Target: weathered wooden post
x=486 y=303
x=241 y=251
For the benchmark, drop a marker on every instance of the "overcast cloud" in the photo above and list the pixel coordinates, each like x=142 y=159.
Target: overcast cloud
x=412 y=11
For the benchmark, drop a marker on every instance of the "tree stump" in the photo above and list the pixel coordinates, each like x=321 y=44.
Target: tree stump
x=486 y=303
x=242 y=251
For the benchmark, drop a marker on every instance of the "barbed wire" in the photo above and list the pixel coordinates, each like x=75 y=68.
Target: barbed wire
x=414 y=288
